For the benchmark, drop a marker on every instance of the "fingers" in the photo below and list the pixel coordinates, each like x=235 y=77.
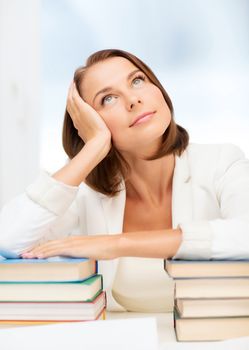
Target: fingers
x=66 y=246
x=74 y=98
x=75 y=94
x=71 y=108
x=51 y=248
x=70 y=91
x=74 y=104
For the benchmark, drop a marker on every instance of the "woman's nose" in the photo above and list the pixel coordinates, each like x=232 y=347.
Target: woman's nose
x=133 y=100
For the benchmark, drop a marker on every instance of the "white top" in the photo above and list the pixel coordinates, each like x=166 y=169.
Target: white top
x=142 y=285
x=210 y=203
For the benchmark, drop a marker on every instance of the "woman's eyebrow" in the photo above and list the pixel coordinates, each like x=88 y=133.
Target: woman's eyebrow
x=108 y=88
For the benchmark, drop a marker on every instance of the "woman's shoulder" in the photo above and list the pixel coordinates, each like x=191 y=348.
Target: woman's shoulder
x=221 y=151
x=210 y=158
x=229 y=148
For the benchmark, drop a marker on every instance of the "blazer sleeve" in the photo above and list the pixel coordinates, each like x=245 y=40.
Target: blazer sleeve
x=228 y=236
x=46 y=210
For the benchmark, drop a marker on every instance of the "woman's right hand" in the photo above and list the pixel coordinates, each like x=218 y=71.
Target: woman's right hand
x=86 y=120
x=95 y=134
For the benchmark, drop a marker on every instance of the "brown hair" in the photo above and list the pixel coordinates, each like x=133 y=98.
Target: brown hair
x=107 y=176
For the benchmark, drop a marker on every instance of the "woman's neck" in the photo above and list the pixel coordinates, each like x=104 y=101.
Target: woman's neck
x=150 y=181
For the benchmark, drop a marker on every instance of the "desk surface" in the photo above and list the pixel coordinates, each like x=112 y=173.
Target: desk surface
x=165 y=323
x=167 y=338
x=74 y=332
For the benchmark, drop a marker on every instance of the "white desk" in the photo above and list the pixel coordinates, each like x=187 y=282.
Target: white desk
x=140 y=334
x=167 y=338
x=165 y=324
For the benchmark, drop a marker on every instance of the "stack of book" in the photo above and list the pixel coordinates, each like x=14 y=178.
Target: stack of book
x=43 y=291
x=211 y=299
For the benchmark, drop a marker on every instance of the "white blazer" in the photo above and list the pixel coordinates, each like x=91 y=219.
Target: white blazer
x=210 y=202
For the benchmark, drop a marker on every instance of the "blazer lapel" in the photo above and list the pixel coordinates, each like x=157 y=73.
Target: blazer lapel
x=181 y=191
x=114 y=211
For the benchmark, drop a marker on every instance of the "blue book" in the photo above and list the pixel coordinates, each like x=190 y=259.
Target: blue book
x=54 y=269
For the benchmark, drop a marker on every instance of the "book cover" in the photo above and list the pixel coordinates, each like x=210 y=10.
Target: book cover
x=16 y=323
x=54 y=269
x=212 y=288
x=206 y=268
x=53 y=311
x=220 y=307
x=85 y=290
x=210 y=329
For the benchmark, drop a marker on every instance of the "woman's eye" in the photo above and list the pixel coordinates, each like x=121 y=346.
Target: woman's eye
x=107 y=99
x=138 y=80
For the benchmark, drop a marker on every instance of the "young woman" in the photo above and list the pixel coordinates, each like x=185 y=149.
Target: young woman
x=133 y=187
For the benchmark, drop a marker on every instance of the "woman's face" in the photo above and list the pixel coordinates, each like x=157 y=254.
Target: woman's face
x=132 y=107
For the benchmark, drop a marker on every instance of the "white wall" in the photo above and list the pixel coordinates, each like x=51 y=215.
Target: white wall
x=199 y=50
x=19 y=95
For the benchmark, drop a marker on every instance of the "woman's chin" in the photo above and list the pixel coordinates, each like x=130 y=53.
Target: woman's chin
x=142 y=138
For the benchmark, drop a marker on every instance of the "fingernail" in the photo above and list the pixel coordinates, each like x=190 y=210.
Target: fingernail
x=27 y=254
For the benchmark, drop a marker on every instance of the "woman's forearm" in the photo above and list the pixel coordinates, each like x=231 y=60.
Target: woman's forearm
x=148 y=244
x=84 y=162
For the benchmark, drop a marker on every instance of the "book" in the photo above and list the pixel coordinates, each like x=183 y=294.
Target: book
x=206 y=268
x=222 y=307
x=212 y=288
x=56 y=311
x=85 y=290
x=14 y=323
x=210 y=329
x=211 y=298
x=55 y=269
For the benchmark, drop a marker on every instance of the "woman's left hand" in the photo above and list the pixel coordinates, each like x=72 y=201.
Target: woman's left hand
x=101 y=247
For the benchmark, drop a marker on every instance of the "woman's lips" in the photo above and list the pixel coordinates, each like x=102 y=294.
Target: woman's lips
x=143 y=118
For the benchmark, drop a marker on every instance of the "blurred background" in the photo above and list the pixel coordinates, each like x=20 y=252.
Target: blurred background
x=198 y=49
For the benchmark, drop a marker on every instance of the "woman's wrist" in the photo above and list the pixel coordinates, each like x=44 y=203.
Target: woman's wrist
x=76 y=171
x=150 y=244
x=98 y=147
